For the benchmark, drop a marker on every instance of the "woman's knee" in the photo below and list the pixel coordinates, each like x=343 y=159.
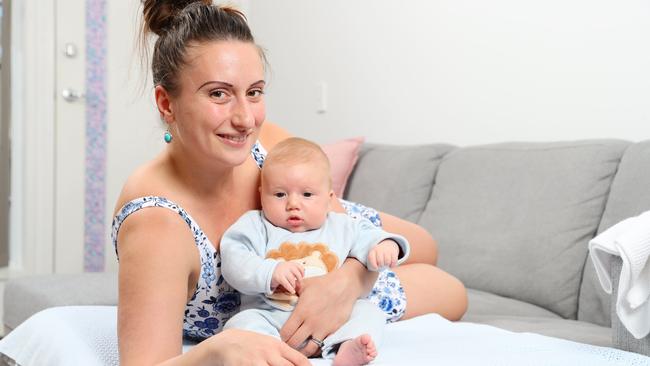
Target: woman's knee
x=426 y=247
x=431 y=290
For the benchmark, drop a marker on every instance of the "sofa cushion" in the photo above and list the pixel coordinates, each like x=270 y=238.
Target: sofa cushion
x=395 y=179
x=26 y=296
x=629 y=196
x=514 y=219
x=572 y=330
x=519 y=316
x=343 y=155
x=484 y=303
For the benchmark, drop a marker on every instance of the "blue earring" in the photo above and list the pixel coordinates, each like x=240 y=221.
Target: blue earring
x=168 y=137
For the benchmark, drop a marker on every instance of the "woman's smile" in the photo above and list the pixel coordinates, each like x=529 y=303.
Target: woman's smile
x=234 y=140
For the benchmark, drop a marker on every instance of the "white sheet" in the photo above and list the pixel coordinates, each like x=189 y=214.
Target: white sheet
x=86 y=335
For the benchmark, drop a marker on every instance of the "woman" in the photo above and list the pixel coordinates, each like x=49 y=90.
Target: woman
x=209 y=85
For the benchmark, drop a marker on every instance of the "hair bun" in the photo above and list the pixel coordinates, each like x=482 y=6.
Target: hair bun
x=159 y=14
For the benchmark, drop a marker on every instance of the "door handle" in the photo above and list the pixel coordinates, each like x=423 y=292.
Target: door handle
x=70 y=95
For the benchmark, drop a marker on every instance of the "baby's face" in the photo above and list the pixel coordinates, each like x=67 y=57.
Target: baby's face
x=296 y=196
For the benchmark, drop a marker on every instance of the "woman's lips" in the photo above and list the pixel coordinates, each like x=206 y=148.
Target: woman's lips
x=233 y=140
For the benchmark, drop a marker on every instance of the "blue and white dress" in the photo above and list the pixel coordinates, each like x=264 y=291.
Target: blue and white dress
x=214 y=301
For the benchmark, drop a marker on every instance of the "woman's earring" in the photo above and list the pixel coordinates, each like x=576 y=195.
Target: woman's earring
x=168 y=137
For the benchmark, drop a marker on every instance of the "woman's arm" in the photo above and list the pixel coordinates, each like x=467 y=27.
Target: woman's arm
x=154 y=274
x=271 y=134
x=158 y=268
x=325 y=304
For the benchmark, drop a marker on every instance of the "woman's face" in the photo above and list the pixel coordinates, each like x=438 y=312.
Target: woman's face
x=219 y=108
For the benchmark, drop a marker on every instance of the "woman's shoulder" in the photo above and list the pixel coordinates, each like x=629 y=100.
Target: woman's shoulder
x=134 y=217
x=271 y=134
x=146 y=180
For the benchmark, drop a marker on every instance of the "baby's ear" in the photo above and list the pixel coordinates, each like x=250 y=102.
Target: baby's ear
x=329 y=201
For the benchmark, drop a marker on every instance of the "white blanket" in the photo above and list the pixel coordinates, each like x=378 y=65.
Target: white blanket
x=629 y=239
x=86 y=335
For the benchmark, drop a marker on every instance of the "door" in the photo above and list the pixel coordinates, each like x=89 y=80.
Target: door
x=5 y=147
x=70 y=135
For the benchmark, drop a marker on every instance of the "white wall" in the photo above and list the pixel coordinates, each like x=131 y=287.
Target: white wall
x=134 y=130
x=459 y=71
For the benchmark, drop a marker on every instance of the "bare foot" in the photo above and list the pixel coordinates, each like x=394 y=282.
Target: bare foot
x=358 y=351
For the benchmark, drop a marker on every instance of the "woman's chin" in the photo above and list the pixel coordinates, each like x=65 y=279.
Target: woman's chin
x=233 y=158
x=232 y=161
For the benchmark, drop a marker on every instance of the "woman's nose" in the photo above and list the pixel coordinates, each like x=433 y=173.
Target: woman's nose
x=243 y=118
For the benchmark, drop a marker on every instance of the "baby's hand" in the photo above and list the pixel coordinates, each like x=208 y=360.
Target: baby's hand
x=383 y=254
x=287 y=275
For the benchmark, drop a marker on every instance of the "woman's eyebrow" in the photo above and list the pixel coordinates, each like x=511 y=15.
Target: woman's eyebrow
x=223 y=83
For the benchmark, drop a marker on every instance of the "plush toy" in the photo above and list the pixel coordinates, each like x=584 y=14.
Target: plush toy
x=317 y=260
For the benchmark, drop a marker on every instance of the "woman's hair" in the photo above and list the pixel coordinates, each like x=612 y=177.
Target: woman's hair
x=179 y=24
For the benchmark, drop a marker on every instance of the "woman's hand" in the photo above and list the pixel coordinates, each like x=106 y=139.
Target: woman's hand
x=325 y=304
x=234 y=347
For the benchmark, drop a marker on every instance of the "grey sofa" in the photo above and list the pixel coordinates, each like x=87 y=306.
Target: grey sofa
x=512 y=222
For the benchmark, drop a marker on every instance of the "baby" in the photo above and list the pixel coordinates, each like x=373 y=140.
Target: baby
x=266 y=254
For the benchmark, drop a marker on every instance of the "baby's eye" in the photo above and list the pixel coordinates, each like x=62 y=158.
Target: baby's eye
x=279 y=194
x=307 y=194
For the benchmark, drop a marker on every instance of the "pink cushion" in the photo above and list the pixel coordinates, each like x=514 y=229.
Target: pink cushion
x=342 y=155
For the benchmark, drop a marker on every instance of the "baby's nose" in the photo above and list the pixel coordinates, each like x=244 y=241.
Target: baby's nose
x=292 y=203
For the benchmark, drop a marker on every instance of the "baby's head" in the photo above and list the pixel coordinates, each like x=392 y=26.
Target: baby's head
x=296 y=188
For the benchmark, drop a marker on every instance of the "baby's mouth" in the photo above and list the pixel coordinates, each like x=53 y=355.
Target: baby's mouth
x=294 y=219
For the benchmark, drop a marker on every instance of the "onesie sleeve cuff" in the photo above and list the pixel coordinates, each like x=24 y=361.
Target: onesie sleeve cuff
x=405 y=248
x=269 y=268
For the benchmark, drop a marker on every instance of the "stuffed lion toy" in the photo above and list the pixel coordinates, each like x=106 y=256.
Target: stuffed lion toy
x=316 y=258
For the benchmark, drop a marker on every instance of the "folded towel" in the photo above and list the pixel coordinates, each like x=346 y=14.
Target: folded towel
x=629 y=239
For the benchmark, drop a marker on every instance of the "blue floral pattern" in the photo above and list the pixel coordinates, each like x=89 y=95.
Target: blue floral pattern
x=259 y=154
x=214 y=301
x=356 y=210
x=389 y=295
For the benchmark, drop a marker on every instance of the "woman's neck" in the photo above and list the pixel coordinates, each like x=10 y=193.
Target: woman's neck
x=203 y=180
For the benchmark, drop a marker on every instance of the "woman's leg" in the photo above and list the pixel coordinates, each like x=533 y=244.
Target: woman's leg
x=428 y=289
x=423 y=247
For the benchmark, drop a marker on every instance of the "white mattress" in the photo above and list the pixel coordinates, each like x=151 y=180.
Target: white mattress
x=86 y=335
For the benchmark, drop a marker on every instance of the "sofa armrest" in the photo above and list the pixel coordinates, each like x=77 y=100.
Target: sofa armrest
x=621 y=337
x=26 y=296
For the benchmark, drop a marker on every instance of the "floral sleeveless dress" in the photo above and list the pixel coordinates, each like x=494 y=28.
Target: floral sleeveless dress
x=214 y=301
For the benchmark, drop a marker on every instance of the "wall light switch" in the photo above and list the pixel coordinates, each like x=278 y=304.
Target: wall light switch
x=321 y=92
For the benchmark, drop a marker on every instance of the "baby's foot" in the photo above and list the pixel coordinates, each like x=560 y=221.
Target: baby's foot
x=358 y=351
